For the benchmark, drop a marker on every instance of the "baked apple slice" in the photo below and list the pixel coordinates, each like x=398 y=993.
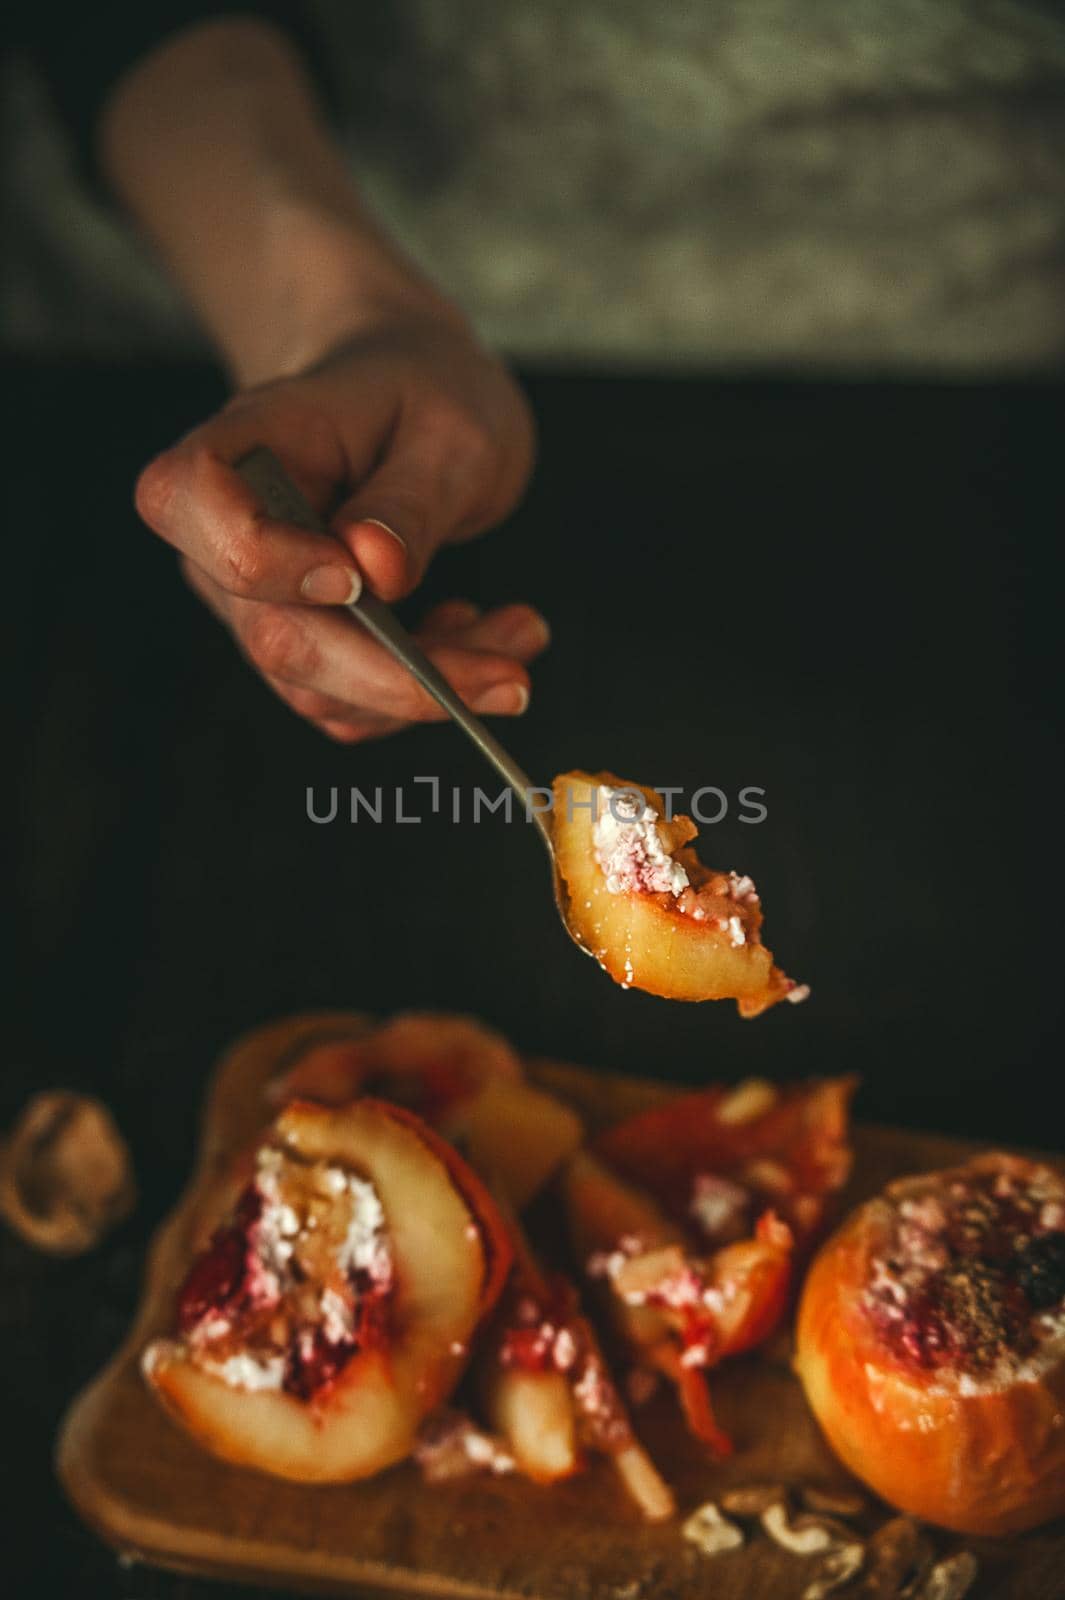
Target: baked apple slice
x=428 y=1060
x=549 y=1393
x=461 y=1077
x=931 y=1344
x=716 y=1158
x=653 y=916
x=333 y=1307
x=681 y=1312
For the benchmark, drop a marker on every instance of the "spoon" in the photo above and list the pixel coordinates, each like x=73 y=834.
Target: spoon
x=264 y=474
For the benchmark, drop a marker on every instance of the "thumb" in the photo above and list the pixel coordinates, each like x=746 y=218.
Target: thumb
x=420 y=496
x=395 y=520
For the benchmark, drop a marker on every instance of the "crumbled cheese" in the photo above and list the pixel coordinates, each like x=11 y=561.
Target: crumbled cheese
x=244 y=1371
x=939 y=1289
x=275 y=1232
x=337 y=1319
x=450 y=1446
x=628 y=847
x=696 y=1355
x=212 y=1326
x=332 y=1181
x=483 y=1451
x=720 y=1206
x=365 y=1248
x=273 y=1239
x=564 y=1350
x=591 y=1392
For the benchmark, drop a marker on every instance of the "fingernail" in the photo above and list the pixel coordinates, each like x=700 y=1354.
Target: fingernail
x=504 y=700
x=375 y=522
x=331 y=586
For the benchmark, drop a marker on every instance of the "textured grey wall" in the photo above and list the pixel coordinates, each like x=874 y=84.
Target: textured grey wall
x=835 y=184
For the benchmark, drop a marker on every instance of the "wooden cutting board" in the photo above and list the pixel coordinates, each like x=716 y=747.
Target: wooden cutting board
x=155 y=1496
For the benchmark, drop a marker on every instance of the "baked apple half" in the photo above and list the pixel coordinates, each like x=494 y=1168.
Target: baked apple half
x=333 y=1307
x=458 y=1075
x=680 y=1310
x=643 y=903
x=931 y=1344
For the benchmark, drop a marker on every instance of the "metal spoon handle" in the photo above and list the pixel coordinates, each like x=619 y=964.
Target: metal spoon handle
x=262 y=472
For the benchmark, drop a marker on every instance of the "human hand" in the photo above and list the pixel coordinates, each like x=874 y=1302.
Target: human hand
x=406 y=437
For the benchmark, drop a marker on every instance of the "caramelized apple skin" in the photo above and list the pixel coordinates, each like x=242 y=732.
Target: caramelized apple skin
x=988 y=1462
x=495 y=1239
x=642 y=940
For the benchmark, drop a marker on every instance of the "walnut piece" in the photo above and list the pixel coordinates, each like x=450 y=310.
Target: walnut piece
x=833 y=1502
x=950 y=1578
x=805 y=1535
x=750 y=1500
x=837 y=1568
x=66 y=1176
x=897 y=1555
x=711 y=1532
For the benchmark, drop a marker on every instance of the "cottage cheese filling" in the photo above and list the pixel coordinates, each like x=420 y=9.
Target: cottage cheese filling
x=628 y=848
x=632 y=858
x=289 y=1290
x=969 y=1284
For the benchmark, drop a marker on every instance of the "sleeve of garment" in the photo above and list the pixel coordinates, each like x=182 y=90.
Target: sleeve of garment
x=82 y=51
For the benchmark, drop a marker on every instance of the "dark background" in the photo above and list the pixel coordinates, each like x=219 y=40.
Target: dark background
x=849 y=595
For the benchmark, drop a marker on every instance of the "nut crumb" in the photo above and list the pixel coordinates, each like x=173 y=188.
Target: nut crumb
x=806 y=1535
x=835 y=1502
x=897 y=1554
x=711 y=1532
x=838 y=1568
x=950 y=1578
x=752 y=1499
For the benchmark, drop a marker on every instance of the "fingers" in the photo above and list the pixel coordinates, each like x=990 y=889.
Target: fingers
x=336 y=721
x=449 y=617
x=516 y=630
x=429 y=470
x=437 y=483
x=194 y=499
x=333 y=671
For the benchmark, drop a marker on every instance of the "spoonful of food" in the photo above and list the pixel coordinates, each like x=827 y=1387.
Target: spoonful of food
x=628 y=887
x=264 y=474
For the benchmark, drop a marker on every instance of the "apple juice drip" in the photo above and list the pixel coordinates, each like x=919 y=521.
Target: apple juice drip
x=972 y=1274
x=294 y=1284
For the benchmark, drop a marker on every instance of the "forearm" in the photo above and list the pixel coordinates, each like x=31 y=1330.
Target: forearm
x=216 y=147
